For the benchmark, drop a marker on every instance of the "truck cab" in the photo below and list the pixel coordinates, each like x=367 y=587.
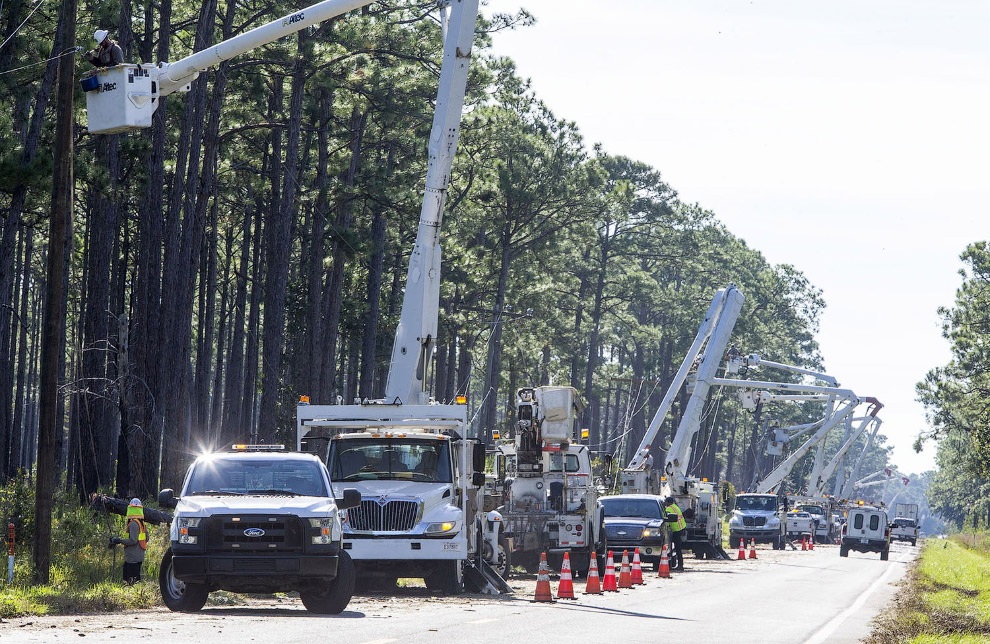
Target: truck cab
x=866 y=530
x=259 y=520
x=760 y=518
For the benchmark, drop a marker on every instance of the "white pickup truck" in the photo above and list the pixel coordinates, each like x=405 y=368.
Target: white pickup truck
x=905 y=524
x=257 y=520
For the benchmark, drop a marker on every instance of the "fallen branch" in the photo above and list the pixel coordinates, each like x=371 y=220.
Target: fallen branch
x=104 y=503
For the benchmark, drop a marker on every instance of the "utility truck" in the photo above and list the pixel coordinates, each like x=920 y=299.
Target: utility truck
x=549 y=498
x=905 y=525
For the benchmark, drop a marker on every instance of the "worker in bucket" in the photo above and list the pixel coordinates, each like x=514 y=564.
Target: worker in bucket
x=678 y=531
x=135 y=543
x=107 y=53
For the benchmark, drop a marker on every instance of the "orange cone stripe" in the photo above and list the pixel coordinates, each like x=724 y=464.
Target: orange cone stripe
x=543 y=592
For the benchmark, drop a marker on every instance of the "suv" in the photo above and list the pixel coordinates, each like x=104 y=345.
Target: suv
x=257 y=520
x=759 y=517
x=636 y=521
x=866 y=530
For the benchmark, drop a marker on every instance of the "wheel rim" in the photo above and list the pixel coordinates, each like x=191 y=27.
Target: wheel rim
x=501 y=561
x=175 y=587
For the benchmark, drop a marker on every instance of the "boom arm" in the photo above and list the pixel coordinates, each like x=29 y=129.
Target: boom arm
x=817 y=487
x=415 y=337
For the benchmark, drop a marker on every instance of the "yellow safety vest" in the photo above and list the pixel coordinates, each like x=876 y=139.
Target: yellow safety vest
x=680 y=524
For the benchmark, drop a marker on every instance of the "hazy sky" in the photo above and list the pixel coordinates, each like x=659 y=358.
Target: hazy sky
x=850 y=139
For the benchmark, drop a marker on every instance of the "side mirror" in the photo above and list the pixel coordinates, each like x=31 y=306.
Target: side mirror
x=478 y=457
x=478 y=479
x=166 y=498
x=351 y=499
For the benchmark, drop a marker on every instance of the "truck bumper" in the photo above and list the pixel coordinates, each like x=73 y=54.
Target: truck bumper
x=404 y=549
x=227 y=571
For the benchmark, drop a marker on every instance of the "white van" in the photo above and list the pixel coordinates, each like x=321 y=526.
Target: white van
x=866 y=530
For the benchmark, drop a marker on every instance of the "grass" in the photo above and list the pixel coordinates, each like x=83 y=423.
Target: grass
x=945 y=598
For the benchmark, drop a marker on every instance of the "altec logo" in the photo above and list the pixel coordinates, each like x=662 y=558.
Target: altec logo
x=296 y=17
x=108 y=87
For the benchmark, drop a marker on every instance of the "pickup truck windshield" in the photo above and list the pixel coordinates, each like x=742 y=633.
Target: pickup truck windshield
x=219 y=476
x=632 y=508
x=764 y=503
x=370 y=459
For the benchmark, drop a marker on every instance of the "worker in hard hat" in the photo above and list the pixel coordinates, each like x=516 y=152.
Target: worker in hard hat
x=135 y=543
x=678 y=532
x=107 y=53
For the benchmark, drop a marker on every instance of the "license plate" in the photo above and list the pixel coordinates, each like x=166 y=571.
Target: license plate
x=864 y=540
x=453 y=545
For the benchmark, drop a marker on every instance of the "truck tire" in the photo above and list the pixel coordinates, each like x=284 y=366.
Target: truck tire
x=177 y=595
x=448 y=578
x=503 y=559
x=885 y=554
x=843 y=551
x=333 y=599
x=914 y=542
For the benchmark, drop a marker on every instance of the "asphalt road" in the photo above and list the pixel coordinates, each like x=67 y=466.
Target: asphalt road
x=781 y=597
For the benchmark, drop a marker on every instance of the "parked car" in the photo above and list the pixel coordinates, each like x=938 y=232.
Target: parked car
x=800 y=523
x=635 y=521
x=866 y=530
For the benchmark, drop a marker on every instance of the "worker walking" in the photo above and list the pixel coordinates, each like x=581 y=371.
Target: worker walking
x=107 y=53
x=135 y=543
x=678 y=531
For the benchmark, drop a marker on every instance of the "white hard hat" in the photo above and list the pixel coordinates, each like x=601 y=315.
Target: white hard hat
x=100 y=36
x=136 y=502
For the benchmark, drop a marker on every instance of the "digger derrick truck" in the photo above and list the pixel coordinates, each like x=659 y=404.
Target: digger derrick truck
x=549 y=500
x=697 y=497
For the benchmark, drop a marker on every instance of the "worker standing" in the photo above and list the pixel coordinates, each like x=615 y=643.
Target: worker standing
x=135 y=543
x=678 y=531
x=107 y=53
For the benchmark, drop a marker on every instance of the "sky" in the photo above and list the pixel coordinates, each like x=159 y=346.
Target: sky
x=849 y=139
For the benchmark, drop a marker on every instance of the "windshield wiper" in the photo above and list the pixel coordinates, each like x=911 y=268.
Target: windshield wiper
x=275 y=492
x=216 y=493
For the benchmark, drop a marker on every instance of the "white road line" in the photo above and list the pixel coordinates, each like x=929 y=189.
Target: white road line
x=825 y=631
x=482 y=621
x=382 y=641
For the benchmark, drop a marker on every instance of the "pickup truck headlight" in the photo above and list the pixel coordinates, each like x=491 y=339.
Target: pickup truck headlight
x=325 y=525
x=184 y=524
x=441 y=527
x=649 y=533
x=735 y=520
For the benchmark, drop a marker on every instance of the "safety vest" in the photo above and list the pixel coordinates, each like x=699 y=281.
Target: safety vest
x=142 y=534
x=680 y=524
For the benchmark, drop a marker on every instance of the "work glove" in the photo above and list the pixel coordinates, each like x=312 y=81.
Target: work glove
x=113 y=542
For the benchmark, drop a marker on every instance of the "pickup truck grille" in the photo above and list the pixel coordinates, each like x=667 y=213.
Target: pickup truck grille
x=392 y=516
x=254 y=533
x=754 y=521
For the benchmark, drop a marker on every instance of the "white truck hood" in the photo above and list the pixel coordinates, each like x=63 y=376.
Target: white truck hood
x=396 y=488
x=306 y=506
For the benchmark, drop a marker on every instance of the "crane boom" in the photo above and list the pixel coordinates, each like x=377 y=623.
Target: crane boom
x=817 y=487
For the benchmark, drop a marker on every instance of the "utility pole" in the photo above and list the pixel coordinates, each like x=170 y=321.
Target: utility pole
x=53 y=329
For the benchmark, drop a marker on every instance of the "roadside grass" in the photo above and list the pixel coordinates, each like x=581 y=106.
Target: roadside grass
x=945 y=598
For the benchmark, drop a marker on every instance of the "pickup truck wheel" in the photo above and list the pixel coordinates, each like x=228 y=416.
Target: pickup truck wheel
x=884 y=555
x=332 y=600
x=843 y=551
x=177 y=595
x=448 y=577
x=914 y=542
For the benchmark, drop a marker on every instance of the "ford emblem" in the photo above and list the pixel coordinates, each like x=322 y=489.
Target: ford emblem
x=622 y=532
x=254 y=532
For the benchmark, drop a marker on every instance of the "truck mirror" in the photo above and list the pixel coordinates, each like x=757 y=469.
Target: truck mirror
x=351 y=499
x=166 y=498
x=478 y=457
x=478 y=479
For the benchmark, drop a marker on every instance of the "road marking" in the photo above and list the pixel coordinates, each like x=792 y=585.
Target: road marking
x=483 y=621
x=829 y=628
x=382 y=641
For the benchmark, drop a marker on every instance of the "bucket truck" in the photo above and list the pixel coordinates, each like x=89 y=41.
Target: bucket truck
x=697 y=495
x=549 y=501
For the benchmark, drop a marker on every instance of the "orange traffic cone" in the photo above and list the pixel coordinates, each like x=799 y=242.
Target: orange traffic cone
x=543 y=592
x=752 y=548
x=664 y=564
x=804 y=543
x=742 y=549
x=811 y=542
x=625 y=575
x=593 y=587
x=608 y=583
x=565 y=589
x=637 y=569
